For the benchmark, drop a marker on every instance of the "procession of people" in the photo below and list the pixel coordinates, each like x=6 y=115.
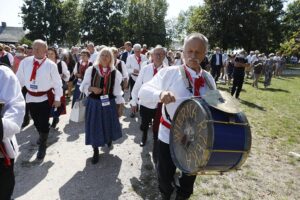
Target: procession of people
x=156 y=86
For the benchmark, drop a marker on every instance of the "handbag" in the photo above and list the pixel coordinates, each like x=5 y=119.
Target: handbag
x=78 y=110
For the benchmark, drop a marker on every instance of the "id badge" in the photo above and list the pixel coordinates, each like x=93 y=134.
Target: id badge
x=79 y=81
x=105 y=100
x=33 y=86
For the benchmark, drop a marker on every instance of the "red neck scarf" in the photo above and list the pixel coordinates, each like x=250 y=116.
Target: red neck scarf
x=198 y=82
x=36 y=66
x=106 y=77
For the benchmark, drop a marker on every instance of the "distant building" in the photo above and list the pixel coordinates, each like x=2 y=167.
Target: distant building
x=10 y=35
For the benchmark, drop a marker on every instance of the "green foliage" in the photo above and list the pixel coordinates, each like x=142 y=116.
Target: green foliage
x=292 y=46
x=42 y=19
x=25 y=40
x=145 y=22
x=291 y=19
x=102 y=21
x=250 y=24
x=71 y=18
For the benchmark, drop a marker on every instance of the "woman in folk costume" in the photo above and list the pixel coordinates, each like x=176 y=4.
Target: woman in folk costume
x=102 y=85
x=65 y=75
x=79 y=71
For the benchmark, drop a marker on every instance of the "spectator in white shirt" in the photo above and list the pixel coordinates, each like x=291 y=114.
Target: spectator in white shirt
x=148 y=112
x=134 y=65
x=93 y=53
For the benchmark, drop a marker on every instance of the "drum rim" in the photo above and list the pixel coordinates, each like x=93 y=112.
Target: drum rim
x=248 y=143
x=210 y=138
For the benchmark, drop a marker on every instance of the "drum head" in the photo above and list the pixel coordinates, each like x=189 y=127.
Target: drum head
x=191 y=137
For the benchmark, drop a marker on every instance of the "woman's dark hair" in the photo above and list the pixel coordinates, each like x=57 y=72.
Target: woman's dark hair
x=55 y=52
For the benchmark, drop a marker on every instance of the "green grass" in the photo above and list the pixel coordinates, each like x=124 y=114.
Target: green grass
x=273 y=112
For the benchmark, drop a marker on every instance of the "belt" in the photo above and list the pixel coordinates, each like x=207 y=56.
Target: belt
x=49 y=93
x=165 y=123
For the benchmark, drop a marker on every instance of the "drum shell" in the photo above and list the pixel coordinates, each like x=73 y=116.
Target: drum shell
x=228 y=143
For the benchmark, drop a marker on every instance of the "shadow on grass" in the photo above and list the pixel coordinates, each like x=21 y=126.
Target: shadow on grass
x=274 y=90
x=252 y=105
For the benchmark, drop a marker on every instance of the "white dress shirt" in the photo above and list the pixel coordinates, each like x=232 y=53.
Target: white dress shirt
x=170 y=79
x=218 y=59
x=65 y=71
x=132 y=64
x=47 y=77
x=93 y=57
x=13 y=111
x=124 y=69
x=86 y=83
x=145 y=75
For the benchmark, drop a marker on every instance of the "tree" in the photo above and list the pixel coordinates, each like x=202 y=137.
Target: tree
x=145 y=22
x=33 y=19
x=71 y=20
x=101 y=21
x=291 y=19
x=41 y=18
x=292 y=46
x=250 y=24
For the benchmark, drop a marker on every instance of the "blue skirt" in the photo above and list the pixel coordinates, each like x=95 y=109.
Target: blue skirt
x=101 y=123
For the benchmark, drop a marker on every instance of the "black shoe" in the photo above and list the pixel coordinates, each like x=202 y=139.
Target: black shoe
x=109 y=144
x=25 y=123
x=144 y=139
x=41 y=152
x=95 y=158
x=132 y=115
x=54 y=122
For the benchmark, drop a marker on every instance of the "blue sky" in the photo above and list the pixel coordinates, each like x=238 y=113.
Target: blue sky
x=10 y=9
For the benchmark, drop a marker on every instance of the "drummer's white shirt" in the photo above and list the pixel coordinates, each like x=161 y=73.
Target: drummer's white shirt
x=170 y=79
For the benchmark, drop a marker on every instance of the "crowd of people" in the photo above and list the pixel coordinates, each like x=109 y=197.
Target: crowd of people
x=156 y=78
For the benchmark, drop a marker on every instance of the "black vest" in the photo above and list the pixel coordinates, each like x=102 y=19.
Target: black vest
x=96 y=78
x=5 y=60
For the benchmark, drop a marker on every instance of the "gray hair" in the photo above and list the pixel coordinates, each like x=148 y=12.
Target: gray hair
x=158 y=47
x=137 y=47
x=39 y=41
x=198 y=36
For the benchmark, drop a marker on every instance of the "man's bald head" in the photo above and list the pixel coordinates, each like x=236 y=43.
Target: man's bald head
x=196 y=36
x=40 y=48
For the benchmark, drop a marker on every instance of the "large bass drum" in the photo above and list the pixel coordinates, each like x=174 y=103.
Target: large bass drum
x=205 y=139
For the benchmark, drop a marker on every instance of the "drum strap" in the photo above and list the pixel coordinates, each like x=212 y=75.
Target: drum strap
x=186 y=79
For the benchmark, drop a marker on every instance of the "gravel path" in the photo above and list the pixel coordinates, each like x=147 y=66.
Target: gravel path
x=125 y=172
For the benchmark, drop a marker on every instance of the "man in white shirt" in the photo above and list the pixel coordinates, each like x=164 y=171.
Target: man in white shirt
x=93 y=52
x=169 y=87
x=12 y=110
x=148 y=112
x=133 y=64
x=40 y=77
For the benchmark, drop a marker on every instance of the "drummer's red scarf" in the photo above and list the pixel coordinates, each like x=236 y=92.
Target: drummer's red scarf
x=198 y=83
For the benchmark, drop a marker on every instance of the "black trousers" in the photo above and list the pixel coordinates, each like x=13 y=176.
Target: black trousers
x=131 y=83
x=147 y=115
x=238 y=80
x=166 y=172
x=40 y=113
x=7 y=180
x=216 y=72
x=26 y=116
